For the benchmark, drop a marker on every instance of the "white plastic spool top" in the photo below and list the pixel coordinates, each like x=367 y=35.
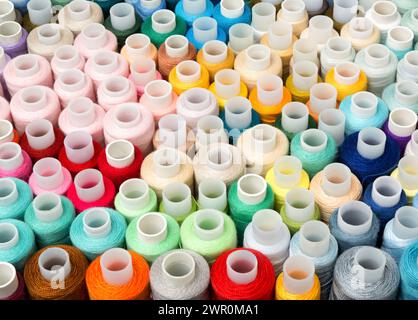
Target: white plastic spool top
x=7 y=11
x=344 y=10
x=143 y=71
x=267 y=226
x=94 y=36
x=336 y=179
x=370 y=264
x=241 y=36
x=163 y=21
x=287 y=171
x=212 y=194
x=386 y=191
x=263 y=15
x=177 y=199
x=214 y=51
x=55 y=265
x=134 y=193
x=89 y=185
x=371 y=143
x=314 y=238
x=251 y=189
x=116 y=266
x=10 y=33
x=408 y=172
x=238 y=112
x=48 y=173
x=9 y=236
x=8 y=192
x=179 y=268
x=332 y=122
x=9 y=282
x=298 y=274
x=209 y=224
x=257 y=57
x=152 y=227
x=138 y=45
x=81 y=112
x=402 y=122
x=176 y=46
x=354 y=218
x=172 y=131
x=300 y=204
x=40 y=11
x=405 y=223
x=47 y=207
x=242 y=266
x=270 y=89
x=11 y=156
x=295 y=117
x=188 y=71
x=313 y=140
x=166 y=162
x=232 y=9
x=120 y=153
x=406 y=92
x=79 y=147
x=210 y=130
x=79 y=10
x=205 y=29
x=97 y=223
x=122 y=16
x=6 y=131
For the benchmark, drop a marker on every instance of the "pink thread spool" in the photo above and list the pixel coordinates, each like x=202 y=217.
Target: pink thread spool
x=7 y=133
x=114 y=91
x=159 y=98
x=14 y=162
x=93 y=39
x=104 y=65
x=4 y=60
x=82 y=114
x=132 y=122
x=49 y=176
x=71 y=84
x=35 y=102
x=5 y=109
x=27 y=70
x=66 y=57
x=143 y=71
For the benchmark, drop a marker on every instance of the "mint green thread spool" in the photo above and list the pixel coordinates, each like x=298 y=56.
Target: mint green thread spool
x=15 y=197
x=50 y=217
x=153 y=234
x=177 y=201
x=246 y=196
x=208 y=232
x=410 y=20
x=135 y=198
x=212 y=194
x=315 y=149
x=299 y=207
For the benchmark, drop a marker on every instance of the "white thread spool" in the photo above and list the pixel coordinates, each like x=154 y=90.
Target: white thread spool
x=97 y=223
x=212 y=194
x=305 y=50
x=402 y=122
x=371 y=143
x=178 y=268
x=263 y=138
x=54 y=264
x=166 y=162
x=177 y=199
x=89 y=185
x=9 y=282
x=48 y=173
x=370 y=264
x=384 y=15
x=241 y=36
x=320 y=30
x=122 y=16
x=263 y=15
x=400 y=38
x=210 y=130
x=242 y=266
x=287 y=171
x=386 y=191
x=298 y=274
x=336 y=180
x=152 y=227
x=116 y=266
x=257 y=57
x=354 y=218
x=405 y=223
x=172 y=131
x=47 y=207
x=40 y=11
x=295 y=117
x=8 y=192
x=299 y=204
x=314 y=238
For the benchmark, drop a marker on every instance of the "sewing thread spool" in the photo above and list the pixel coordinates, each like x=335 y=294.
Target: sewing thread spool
x=50 y=217
x=286 y=174
x=377 y=275
x=406 y=174
x=400 y=232
x=409 y=19
x=269 y=235
x=91 y=189
x=174 y=50
x=354 y=224
x=294 y=118
x=315 y=241
x=143 y=71
x=138 y=46
x=369 y=154
x=12 y=285
x=16 y=196
x=304 y=76
x=27 y=70
x=64 y=282
x=18 y=242
x=407 y=266
x=164 y=166
x=262 y=16
x=400 y=40
x=412 y=146
x=269 y=97
x=41 y=140
x=336 y=51
x=49 y=175
x=180 y=275
x=298 y=280
x=118 y=274
x=73 y=83
x=215 y=56
x=82 y=114
x=242 y=274
x=332 y=122
x=384 y=15
x=230 y=12
x=361 y=32
x=7 y=132
x=379 y=65
x=177 y=201
x=203 y=30
x=78 y=14
x=146 y=8
x=132 y=122
x=152 y=234
x=299 y=207
x=208 y=232
x=320 y=29
x=94 y=38
x=188 y=74
x=96 y=230
x=191 y=10
x=323 y=96
x=334 y=186
x=159 y=98
x=14 y=162
x=403 y=94
x=7 y=11
x=241 y=36
x=344 y=11
x=256 y=61
x=210 y=130
x=219 y=160
x=363 y=110
x=294 y=12
x=162 y=24
x=407 y=67
x=32 y=103
x=400 y=125
x=66 y=57
x=261 y=146
x=114 y=91
x=13 y=38
x=304 y=50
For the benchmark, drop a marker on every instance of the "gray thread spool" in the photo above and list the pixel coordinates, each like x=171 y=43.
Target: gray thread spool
x=354 y=224
x=365 y=273
x=180 y=275
x=315 y=241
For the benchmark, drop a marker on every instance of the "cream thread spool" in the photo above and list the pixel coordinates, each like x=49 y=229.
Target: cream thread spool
x=241 y=36
x=294 y=12
x=320 y=29
x=304 y=50
x=7 y=11
x=159 y=98
x=138 y=46
x=66 y=57
x=360 y=32
x=210 y=130
x=114 y=91
x=164 y=166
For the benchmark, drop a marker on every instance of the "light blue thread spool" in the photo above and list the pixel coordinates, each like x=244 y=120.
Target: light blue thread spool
x=203 y=30
x=225 y=22
x=408 y=267
x=193 y=14
x=403 y=94
x=96 y=230
x=50 y=217
x=410 y=20
x=400 y=41
x=17 y=242
x=145 y=12
x=15 y=197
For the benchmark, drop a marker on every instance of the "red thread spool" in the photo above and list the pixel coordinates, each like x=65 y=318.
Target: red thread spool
x=242 y=264
x=75 y=168
x=119 y=175
x=52 y=151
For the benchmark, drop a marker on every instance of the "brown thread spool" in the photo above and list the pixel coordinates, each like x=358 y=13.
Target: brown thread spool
x=174 y=50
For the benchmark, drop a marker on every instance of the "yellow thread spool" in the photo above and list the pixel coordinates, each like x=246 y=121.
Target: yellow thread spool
x=187 y=68
x=347 y=70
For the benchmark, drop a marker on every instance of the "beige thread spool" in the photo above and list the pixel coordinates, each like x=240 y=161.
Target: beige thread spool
x=294 y=12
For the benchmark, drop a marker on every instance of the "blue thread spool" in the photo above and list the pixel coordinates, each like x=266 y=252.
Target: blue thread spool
x=231 y=16
x=15 y=197
x=189 y=11
x=401 y=95
x=408 y=268
x=375 y=155
x=203 y=30
x=96 y=230
x=144 y=11
x=50 y=217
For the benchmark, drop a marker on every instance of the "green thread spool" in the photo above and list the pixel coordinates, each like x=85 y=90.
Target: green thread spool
x=409 y=20
x=106 y=5
x=291 y=135
x=208 y=232
x=121 y=35
x=299 y=207
x=60 y=2
x=153 y=234
x=246 y=196
x=135 y=198
x=181 y=217
x=158 y=38
x=177 y=201
x=315 y=149
x=50 y=217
